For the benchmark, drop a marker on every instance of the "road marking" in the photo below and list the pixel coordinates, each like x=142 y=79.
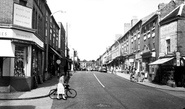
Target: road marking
x=99 y=81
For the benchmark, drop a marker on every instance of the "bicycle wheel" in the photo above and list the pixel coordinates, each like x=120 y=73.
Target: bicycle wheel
x=71 y=93
x=53 y=93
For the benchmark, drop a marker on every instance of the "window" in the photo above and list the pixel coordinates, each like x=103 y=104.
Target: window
x=168 y=45
x=153 y=46
x=139 y=44
x=23 y=2
x=153 y=34
x=144 y=37
x=20 y=60
x=134 y=37
x=138 y=36
x=46 y=32
x=149 y=35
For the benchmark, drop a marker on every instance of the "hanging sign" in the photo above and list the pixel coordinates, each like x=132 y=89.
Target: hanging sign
x=58 y=61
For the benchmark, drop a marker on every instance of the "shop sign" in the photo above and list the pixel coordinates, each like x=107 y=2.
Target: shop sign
x=22 y=16
x=161 y=54
x=138 y=56
x=5 y=33
x=178 y=62
x=27 y=36
x=153 y=54
x=131 y=60
x=22 y=35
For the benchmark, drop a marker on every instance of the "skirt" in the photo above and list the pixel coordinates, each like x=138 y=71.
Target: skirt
x=60 y=88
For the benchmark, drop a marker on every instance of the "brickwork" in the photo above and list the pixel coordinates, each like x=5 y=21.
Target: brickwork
x=6 y=8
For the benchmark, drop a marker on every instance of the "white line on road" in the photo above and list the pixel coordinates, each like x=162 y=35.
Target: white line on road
x=99 y=81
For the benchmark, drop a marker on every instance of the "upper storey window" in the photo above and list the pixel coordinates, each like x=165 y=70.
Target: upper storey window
x=23 y=2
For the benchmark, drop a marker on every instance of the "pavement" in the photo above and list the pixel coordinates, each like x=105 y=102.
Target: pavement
x=150 y=84
x=43 y=90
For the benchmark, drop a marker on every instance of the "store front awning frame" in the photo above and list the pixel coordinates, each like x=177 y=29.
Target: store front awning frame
x=6 y=49
x=161 y=61
x=56 y=53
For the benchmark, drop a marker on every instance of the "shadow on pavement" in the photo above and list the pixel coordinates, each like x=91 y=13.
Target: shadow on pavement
x=48 y=83
x=11 y=95
x=18 y=107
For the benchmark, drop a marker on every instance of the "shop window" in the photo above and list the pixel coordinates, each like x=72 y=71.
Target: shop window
x=1 y=66
x=20 y=60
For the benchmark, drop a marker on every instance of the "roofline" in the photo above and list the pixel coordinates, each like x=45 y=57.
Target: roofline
x=179 y=13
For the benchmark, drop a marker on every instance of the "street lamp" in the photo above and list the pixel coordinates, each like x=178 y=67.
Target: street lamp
x=47 y=39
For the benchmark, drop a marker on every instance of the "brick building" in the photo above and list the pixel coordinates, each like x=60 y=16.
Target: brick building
x=31 y=41
x=171 y=42
x=21 y=23
x=156 y=44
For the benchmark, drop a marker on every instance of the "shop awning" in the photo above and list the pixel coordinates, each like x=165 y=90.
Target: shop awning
x=6 y=48
x=56 y=52
x=161 y=61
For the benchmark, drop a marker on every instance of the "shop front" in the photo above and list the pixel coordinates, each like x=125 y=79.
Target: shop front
x=22 y=61
x=168 y=72
x=138 y=61
x=146 y=59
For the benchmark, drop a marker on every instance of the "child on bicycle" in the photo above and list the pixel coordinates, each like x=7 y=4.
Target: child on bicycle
x=60 y=88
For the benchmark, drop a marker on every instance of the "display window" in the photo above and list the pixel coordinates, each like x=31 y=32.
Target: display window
x=20 y=60
x=35 y=62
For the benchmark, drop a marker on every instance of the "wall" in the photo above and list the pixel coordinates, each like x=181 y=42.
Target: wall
x=168 y=31
x=181 y=36
x=6 y=8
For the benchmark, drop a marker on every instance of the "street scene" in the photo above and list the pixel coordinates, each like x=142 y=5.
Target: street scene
x=92 y=54
x=96 y=90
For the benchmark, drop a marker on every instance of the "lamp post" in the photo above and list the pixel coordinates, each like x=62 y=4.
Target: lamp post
x=74 y=55
x=47 y=40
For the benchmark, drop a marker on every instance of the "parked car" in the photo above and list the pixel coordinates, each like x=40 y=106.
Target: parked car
x=103 y=69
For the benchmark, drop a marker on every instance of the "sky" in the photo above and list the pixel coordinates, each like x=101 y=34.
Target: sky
x=94 y=24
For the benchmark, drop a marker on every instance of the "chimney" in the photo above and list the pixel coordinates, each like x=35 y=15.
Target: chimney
x=127 y=27
x=134 y=21
x=117 y=36
x=179 y=2
x=161 y=6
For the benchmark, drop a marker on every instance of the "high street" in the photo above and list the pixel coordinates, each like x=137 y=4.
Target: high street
x=103 y=91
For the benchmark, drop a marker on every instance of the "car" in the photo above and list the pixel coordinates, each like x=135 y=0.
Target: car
x=103 y=69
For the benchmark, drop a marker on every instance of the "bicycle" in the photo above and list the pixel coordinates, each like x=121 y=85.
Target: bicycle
x=70 y=93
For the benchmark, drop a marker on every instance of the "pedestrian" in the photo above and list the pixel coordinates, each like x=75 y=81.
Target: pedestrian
x=66 y=73
x=61 y=89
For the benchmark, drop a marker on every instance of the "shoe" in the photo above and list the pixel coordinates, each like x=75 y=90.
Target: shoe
x=58 y=98
x=64 y=98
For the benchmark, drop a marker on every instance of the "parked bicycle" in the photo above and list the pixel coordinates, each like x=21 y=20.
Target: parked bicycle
x=70 y=93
